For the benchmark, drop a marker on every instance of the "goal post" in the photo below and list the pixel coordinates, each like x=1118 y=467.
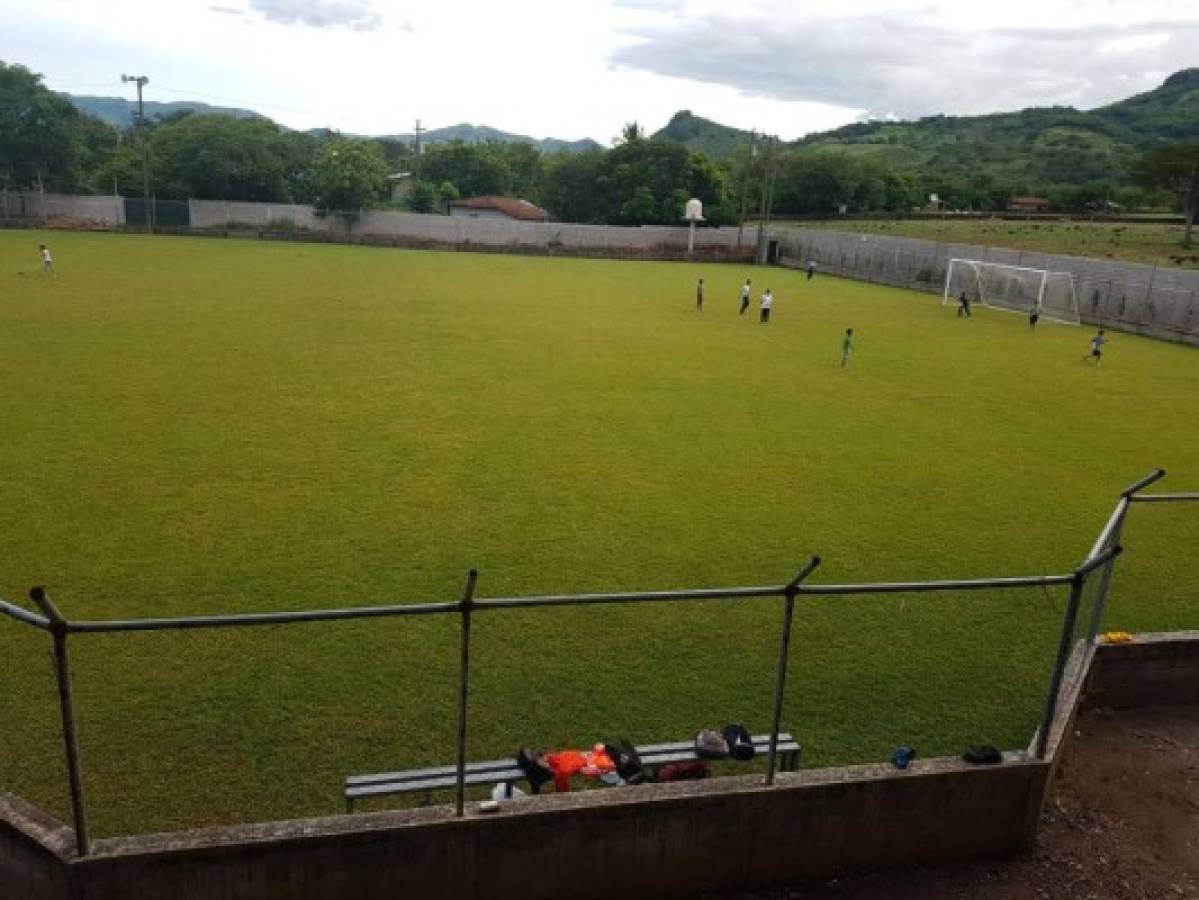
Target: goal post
x=1013 y=289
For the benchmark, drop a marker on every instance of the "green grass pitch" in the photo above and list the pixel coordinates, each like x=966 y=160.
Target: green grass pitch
x=198 y=425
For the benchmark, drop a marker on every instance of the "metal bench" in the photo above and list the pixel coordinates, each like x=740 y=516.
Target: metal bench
x=358 y=787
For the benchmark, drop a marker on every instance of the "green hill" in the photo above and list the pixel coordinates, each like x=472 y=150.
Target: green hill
x=120 y=112
x=697 y=133
x=474 y=133
x=1035 y=147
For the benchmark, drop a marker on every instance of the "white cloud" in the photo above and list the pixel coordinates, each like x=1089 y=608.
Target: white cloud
x=586 y=67
x=912 y=62
x=359 y=15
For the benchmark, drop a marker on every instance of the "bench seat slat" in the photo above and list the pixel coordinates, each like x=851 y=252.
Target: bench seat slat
x=433 y=772
x=431 y=784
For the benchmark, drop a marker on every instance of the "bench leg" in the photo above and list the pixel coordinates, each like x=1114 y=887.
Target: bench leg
x=349 y=806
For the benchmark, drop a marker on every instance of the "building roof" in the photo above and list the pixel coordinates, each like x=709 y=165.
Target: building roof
x=509 y=206
x=1028 y=199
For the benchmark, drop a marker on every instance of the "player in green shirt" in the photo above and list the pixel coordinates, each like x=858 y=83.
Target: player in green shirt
x=846 y=347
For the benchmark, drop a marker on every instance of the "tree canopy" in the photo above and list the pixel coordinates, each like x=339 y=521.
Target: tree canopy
x=1175 y=168
x=40 y=138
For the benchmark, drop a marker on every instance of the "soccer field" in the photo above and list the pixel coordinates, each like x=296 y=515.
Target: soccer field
x=196 y=425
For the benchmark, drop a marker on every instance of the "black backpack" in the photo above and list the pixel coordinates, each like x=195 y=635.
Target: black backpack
x=741 y=744
x=532 y=763
x=626 y=758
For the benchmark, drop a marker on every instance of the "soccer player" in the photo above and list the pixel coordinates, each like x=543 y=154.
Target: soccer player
x=1034 y=313
x=744 y=297
x=699 y=296
x=846 y=347
x=47 y=259
x=767 y=302
x=811 y=268
x=1097 y=343
x=963 y=305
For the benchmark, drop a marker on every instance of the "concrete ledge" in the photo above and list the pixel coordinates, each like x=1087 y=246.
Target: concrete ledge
x=1153 y=669
x=34 y=849
x=649 y=841
x=655 y=840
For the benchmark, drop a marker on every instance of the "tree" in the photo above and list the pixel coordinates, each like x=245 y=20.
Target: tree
x=474 y=169
x=223 y=158
x=526 y=164
x=97 y=141
x=422 y=198
x=640 y=207
x=1175 y=168
x=630 y=134
x=571 y=185
x=348 y=174
x=38 y=141
x=447 y=192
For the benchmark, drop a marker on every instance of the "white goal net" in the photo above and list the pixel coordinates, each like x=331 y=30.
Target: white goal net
x=1013 y=288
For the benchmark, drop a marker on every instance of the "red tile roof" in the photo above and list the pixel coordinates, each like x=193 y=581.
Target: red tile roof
x=513 y=207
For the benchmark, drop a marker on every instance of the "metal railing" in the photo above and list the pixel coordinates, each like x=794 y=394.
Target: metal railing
x=1101 y=559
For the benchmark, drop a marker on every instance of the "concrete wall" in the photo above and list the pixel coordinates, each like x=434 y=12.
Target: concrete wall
x=283 y=220
x=472 y=232
x=102 y=211
x=651 y=841
x=655 y=841
x=33 y=853
x=1151 y=300
x=1155 y=669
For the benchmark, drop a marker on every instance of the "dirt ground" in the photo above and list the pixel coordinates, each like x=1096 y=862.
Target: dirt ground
x=1122 y=822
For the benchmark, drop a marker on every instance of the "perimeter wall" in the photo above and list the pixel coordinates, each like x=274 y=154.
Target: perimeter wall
x=296 y=222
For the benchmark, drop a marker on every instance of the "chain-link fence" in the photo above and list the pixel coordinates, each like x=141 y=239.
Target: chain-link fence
x=1150 y=300
x=1079 y=623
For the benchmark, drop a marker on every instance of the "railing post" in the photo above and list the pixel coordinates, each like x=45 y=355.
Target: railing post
x=780 y=679
x=1105 y=581
x=466 y=606
x=62 y=674
x=1059 y=665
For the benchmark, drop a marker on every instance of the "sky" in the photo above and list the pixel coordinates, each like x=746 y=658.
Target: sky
x=583 y=68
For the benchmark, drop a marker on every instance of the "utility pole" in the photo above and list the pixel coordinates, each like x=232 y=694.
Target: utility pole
x=767 y=193
x=141 y=81
x=745 y=176
x=416 y=158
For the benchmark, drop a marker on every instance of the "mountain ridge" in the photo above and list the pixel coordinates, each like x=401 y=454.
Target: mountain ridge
x=120 y=112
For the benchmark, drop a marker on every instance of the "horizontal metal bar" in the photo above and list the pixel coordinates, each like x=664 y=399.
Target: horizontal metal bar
x=908 y=587
x=1162 y=498
x=418 y=609
x=24 y=615
x=1155 y=475
x=1112 y=526
x=250 y=619
x=1096 y=561
x=642 y=597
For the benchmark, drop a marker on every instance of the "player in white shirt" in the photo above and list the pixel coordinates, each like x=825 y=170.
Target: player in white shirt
x=47 y=260
x=767 y=302
x=744 y=296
